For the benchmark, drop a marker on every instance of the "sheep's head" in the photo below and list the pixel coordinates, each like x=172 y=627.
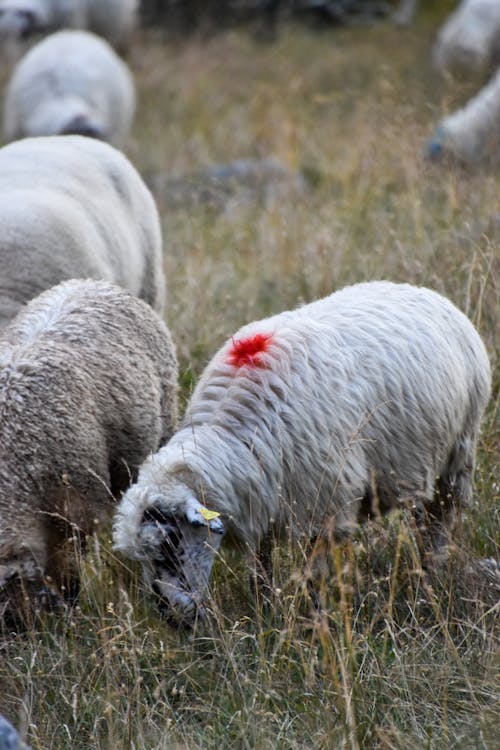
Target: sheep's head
x=176 y=541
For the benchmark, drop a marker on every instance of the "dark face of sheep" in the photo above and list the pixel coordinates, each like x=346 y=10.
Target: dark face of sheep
x=82 y=125
x=18 y=23
x=180 y=547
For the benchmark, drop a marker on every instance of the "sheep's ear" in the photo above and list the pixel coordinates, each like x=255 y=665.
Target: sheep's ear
x=198 y=515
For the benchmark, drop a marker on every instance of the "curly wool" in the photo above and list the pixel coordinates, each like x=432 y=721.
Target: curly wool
x=88 y=389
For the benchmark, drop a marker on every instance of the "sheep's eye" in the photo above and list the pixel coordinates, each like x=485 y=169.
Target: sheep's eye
x=153 y=514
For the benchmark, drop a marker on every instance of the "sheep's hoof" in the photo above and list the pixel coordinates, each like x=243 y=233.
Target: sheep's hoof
x=48 y=600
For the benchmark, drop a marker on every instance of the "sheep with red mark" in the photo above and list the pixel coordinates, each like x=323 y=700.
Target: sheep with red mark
x=91 y=94
x=88 y=389
x=365 y=401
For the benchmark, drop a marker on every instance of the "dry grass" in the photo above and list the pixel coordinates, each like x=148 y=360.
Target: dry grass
x=395 y=658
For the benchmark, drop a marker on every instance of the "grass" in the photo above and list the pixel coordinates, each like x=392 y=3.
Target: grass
x=395 y=658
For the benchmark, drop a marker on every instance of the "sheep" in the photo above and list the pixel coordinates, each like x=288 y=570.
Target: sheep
x=470 y=41
x=470 y=38
x=320 y=417
x=471 y=133
x=71 y=207
x=88 y=388
x=405 y=12
x=114 y=20
x=70 y=82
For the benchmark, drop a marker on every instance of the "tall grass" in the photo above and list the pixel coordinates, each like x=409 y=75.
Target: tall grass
x=392 y=657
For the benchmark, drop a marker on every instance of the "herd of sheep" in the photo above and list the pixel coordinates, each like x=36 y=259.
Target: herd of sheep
x=305 y=423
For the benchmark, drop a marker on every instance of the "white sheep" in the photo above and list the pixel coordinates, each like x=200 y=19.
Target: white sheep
x=468 y=42
x=473 y=132
x=70 y=82
x=114 y=20
x=88 y=388
x=470 y=38
x=72 y=207
x=355 y=404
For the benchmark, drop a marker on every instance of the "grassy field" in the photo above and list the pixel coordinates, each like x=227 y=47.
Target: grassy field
x=396 y=658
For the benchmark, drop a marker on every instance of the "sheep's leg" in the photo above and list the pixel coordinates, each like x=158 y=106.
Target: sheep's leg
x=262 y=578
x=66 y=529
x=22 y=585
x=453 y=492
x=66 y=544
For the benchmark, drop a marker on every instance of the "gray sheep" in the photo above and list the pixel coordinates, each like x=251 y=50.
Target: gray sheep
x=74 y=207
x=112 y=19
x=70 y=82
x=88 y=388
x=318 y=418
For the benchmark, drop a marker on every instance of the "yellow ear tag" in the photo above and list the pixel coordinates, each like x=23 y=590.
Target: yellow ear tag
x=207 y=514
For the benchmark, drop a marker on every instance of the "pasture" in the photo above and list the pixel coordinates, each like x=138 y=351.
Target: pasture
x=396 y=657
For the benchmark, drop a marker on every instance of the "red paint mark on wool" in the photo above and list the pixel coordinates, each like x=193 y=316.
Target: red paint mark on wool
x=247 y=351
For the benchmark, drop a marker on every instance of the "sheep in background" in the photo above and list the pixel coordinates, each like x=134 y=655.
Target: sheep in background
x=88 y=388
x=74 y=207
x=353 y=405
x=70 y=82
x=470 y=38
x=405 y=12
x=472 y=132
x=114 y=20
x=470 y=41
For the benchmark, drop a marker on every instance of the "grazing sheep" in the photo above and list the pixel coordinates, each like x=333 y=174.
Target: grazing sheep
x=470 y=38
x=112 y=19
x=88 y=388
x=355 y=404
x=470 y=42
x=70 y=82
x=473 y=132
x=73 y=207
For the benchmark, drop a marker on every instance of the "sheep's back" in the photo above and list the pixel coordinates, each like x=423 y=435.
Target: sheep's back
x=88 y=376
x=377 y=378
x=85 y=193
